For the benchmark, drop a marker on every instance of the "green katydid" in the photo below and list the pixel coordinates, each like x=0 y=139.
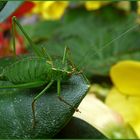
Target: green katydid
x=37 y=71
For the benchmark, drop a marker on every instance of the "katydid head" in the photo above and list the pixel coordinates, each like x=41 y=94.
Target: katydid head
x=61 y=71
x=64 y=68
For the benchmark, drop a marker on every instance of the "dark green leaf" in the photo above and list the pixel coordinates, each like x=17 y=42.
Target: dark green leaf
x=9 y=8
x=51 y=113
x=79 y=129
x=42 y=30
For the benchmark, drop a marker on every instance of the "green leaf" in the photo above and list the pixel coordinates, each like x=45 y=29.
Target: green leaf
x=51 y=113
x=79 y=129
x=42 y=29
x=9 y=8
x=97 y=40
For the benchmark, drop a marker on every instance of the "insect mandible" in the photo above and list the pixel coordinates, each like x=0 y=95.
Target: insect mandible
x=37 y=71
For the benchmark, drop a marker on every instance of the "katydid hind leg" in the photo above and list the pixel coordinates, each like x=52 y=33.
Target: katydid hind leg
x=36 y=98
x=15 y=21
x=61 y=98
x=13 y=36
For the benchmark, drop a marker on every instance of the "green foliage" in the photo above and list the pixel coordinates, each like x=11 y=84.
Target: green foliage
x=7 y=8
x=51 y=113
x=97 y=40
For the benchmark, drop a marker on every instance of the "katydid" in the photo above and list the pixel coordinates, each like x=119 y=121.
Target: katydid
x=38 y=70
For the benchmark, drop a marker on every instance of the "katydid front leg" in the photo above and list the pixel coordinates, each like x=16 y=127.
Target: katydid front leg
x=67 y=54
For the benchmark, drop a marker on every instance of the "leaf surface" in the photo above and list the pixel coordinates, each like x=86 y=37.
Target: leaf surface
x=51 y=113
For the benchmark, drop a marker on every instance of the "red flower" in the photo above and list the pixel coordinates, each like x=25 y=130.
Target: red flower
x=5 y=31
x=22 y=10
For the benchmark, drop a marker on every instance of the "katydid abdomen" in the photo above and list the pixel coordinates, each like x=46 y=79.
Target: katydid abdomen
x=27 y=70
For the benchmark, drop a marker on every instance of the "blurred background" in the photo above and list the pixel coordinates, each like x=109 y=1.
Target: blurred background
x=103 y=38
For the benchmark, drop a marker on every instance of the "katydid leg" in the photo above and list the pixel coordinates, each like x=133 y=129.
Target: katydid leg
x=71 y=62
x=36 y=98
x=61 y=98
x=64 y=55
x=15 y=21
x=67 y=55
x=13 y=37
x=25 y=85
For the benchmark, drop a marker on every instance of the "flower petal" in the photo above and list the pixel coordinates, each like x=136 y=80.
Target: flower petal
x=127 y=106
x=126 y=77
x=94 y=5
x=53 y=10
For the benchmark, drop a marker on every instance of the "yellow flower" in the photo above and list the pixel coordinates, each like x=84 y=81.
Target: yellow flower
x=51 y=10
x=37 y=7
x=54 y=9
x=126 y=77
x=94 y=5
x=107 y=121
x=125 y=95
